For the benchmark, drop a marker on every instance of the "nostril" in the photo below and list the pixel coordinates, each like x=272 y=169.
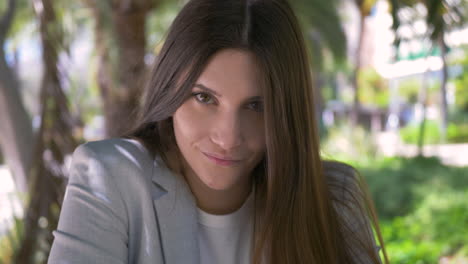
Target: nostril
x=227 y=141
x=227 y=133
x=226 y=145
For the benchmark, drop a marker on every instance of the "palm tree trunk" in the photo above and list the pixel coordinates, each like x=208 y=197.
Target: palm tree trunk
x=16 y=133
x=120 y=77
x=423 y=103
x=443 y=87
x=55 y=140
x=357 y=69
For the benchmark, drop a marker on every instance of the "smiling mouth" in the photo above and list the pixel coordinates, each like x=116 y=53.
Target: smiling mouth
x=223 y=161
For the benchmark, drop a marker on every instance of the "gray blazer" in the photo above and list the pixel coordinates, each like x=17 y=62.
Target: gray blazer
x=122 y=206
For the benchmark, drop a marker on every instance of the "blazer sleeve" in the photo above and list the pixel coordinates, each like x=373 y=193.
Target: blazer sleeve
x=93 y=225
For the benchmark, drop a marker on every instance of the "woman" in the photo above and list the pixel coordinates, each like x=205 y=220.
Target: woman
x=223 y=164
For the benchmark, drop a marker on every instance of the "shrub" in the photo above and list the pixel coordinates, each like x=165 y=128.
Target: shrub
x=434 y=229
x=409 y=90
x=10 y=242
x=343 y=142
x=410 y=133
x=398 y=185
x=456 y=133
x=423 y=207
x=373 y=88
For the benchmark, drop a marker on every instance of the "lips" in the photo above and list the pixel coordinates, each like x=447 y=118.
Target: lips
x=222 y=160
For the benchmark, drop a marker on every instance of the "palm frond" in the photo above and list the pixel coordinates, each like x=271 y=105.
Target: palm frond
x=322 y=18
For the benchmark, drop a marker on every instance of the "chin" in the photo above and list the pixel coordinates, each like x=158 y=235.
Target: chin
x=220 y=181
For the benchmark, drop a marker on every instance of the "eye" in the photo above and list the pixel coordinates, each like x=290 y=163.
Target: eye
x=257 y=106
x=203 y=98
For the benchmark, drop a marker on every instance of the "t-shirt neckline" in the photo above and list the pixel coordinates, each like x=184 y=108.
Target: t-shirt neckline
x=230 y=220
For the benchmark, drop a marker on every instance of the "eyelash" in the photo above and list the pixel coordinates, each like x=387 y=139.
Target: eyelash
x=199 y=100
x=196 y=95
x=259 y=108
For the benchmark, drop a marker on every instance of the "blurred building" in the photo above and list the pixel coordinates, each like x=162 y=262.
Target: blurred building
x=416 y=58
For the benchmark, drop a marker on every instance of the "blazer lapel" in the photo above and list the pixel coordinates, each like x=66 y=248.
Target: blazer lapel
x=176 y=214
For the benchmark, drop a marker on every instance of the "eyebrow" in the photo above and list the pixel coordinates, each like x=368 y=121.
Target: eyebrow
x=203 y=87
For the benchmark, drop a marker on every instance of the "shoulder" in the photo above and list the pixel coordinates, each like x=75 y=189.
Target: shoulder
x=114 y=149
x=106 y=197
x=348 y=196
x=115 y=154
x=343 y=180
x=352 y=204
x=111 y=164
x=347 y=190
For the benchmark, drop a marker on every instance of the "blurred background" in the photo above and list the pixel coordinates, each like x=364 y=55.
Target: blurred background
x=391 y=79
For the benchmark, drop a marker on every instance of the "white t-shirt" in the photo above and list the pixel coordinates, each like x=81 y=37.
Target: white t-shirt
x=226 y=239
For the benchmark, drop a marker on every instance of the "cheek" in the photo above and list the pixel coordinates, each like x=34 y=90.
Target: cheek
x=189 y=124
x=254 y=132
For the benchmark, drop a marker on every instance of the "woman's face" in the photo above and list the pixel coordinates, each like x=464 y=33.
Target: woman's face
x=219 y=129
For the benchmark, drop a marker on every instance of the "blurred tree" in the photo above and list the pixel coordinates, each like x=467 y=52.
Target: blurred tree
x=364 y=7
x=54 y=140
x=120 y=41
x=323 y=28
x=16 y=133
x=423 y=99
x=442 y=17
x=374 y=88
x=325 y=35
x=461 y=85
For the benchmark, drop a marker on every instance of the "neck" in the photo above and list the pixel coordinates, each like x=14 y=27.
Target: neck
x=211 y=200
x=218 y=201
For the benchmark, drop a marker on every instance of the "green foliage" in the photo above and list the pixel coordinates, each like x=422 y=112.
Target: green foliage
x=461 y=92
x=3 y=7
x=423 y=205
x=322 y=36
x=461 y=84
x=85 y=101
x=24 y=15
x=409 y=90
x=433 y=230
x=398 y=185
x=459 y=117
x=9 y=243
x=456 y=133
x=158 y=23
x=373 y=88
x=410 y=133
x=342 y=143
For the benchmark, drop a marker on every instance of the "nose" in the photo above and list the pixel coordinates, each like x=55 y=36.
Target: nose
x=227 y=132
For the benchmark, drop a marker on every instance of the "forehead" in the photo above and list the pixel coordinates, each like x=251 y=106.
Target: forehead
x=232 y=72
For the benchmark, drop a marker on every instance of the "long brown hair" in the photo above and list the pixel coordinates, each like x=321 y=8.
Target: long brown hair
x=307 y=210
